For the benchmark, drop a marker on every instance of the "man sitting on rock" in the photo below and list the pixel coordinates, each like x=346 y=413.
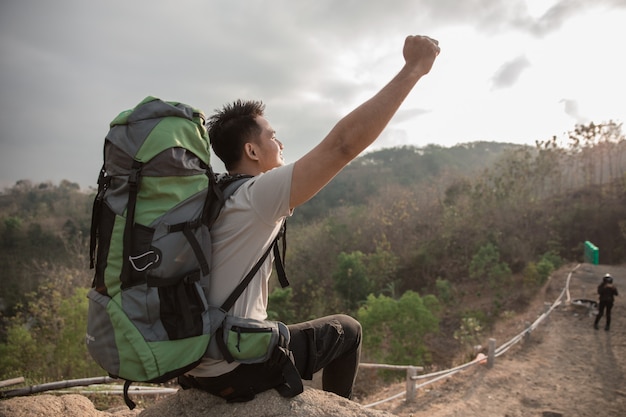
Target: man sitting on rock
x=250 y=220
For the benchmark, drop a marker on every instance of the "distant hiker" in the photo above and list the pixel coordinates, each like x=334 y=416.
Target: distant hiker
x=607 y=293
x=247 y=144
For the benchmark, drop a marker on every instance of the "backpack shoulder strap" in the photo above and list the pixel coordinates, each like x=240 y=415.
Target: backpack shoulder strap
x=229 y=184
x=222 y=186
x=279 y=260
x=230 y=301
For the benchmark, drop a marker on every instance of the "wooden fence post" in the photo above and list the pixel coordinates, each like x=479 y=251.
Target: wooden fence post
x=491 y=355
x=411 y=371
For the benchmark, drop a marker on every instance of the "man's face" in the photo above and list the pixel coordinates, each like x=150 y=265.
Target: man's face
x=269 y=148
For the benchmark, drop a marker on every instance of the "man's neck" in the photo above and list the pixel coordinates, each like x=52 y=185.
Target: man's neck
x=236 y=172
x=245 y=169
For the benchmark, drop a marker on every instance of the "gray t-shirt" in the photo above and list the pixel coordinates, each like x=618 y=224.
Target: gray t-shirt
x=248 y=224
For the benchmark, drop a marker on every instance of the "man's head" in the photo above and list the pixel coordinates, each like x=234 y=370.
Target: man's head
x=242 y=138
x=607 y=279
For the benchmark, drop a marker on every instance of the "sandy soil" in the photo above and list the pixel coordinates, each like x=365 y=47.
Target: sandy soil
x=564 y=368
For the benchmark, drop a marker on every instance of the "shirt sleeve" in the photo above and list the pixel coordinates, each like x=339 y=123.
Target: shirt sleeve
x=270 y=193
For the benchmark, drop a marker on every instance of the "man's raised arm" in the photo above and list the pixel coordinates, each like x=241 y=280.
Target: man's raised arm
x=356 y=131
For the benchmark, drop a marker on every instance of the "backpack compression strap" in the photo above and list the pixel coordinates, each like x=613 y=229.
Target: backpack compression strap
x=103 y=185
x=133 y=183
x=187 y=229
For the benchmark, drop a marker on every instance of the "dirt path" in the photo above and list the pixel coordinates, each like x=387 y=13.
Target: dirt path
x=565 y=368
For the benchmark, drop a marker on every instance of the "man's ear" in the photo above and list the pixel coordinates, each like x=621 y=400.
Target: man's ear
x=250 y=151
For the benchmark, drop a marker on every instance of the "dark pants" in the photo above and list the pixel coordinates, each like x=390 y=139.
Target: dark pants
x=604 y=305
x=331 y=343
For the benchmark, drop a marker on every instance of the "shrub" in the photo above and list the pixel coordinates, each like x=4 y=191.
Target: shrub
x=394 y=330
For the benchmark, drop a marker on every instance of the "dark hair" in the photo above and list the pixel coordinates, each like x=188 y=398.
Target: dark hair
x=231 y=127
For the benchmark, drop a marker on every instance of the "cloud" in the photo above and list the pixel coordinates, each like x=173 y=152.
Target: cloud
x=70 y=66
x=497 y=16
x=551 y=20
x=556 y=15
x=508 y=74
x=571 y=109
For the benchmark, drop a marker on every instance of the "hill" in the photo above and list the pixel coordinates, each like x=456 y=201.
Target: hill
x=368 y=176
x=467 y=241
x=44 y=224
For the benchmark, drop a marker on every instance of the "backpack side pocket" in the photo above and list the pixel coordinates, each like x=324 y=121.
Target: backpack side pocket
x=251 y=341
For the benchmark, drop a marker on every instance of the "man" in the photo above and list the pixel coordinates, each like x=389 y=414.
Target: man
x=606 y=293
x=247 y=144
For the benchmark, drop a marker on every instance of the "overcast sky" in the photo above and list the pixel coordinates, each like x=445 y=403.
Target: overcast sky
x=509 y=70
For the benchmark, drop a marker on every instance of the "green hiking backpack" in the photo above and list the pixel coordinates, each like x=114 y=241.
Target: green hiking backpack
x=148 y=317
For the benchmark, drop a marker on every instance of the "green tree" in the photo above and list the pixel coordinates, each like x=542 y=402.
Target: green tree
x=11 y=232
x=530 y=275
x=486 y=265
x=537 y=273
x=394 y=330
x=17 y=353
x=45 y=339
x=280 y=305
x=351 y=280
x=444 y=290
x=70 y=355
x=382 y=266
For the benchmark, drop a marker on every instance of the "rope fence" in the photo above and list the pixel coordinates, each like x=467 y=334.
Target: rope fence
x=103 y=385
x=493 y=352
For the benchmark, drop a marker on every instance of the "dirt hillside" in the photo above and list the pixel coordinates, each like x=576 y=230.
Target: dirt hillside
x=564 y=368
